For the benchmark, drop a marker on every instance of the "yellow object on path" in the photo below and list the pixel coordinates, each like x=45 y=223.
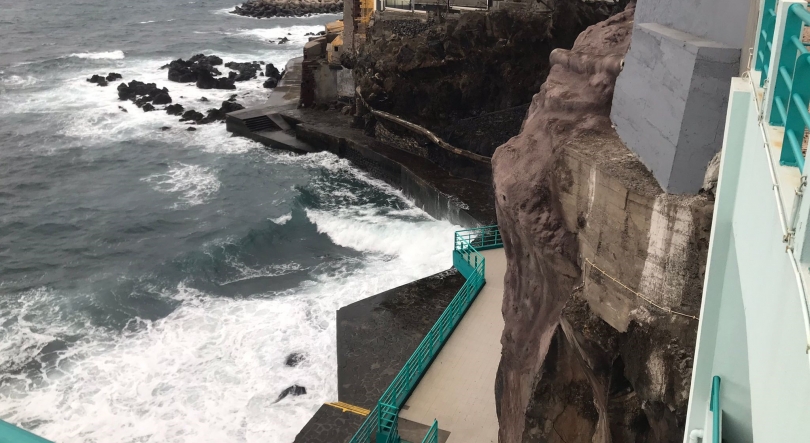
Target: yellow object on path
x=349 y=408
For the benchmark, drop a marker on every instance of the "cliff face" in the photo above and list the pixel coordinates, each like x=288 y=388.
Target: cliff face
x=604 y=269
x=436 y=70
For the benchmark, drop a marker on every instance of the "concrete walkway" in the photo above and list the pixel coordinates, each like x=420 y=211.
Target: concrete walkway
x=459 y=387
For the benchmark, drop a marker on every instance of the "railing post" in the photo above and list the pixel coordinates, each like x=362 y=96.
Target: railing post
x=797 y=118
x=764 y=39
x=777 y=51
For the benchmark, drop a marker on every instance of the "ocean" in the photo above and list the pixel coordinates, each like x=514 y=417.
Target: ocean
x=153 y=282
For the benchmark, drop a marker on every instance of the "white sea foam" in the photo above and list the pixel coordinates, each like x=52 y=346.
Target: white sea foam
x=109 y=55
x=283 y=219
x=212 y=370
x=295 y=34
x=195 y=184
x=147 y=22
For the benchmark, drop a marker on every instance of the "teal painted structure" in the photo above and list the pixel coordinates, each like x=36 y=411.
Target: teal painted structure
x=383 y=419
x=754 y=330
x=12 y=434
x=717 y=414
x=768 y=23
x=432 y=435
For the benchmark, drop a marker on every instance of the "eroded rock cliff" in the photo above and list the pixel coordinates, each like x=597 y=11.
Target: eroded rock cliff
x=436 y=70
x=604 y=275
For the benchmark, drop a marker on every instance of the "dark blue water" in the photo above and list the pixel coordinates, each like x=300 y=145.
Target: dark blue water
x=152 y=282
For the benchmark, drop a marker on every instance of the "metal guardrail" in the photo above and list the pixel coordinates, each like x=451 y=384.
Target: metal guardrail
x=432 y=435
x=382 y=421
x=717 y=412
x=768 y=25
x=791 y=93
x=12 y=434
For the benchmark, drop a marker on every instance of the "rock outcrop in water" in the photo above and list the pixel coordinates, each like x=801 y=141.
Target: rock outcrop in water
x=584 y=359
x=287 y=8
x=200 y=69
x=142 y=93
x=101 y=80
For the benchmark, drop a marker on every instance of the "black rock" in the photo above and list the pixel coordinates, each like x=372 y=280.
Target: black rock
x=230 y=106
x=270 y=83
x=192 y=115
x=95 y=78
x=293 y=390
x=203 y=99
x=176 y=109
x=283 y=40
x=189 y=71
x=294 y=359
x=192 y=128
x=206 y=81
x=162 y=98
x=123 y=109
x=113 y=76
x=232 y=98
x=148 y=107
x=139 y=91
x=246 y=71
x=271 y=71
x=165 y=128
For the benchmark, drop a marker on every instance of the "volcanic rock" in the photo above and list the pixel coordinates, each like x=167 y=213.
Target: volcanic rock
x=175 y=109
x=189 y=71
x=98 y=80
x=293 y=390
x=287 y=8
x=206 y=81
x=113 y=76
x=270 y=83
x=162 y=99
x=148 y=107
x=192 y=115
x=246 y=71
x=294 y=359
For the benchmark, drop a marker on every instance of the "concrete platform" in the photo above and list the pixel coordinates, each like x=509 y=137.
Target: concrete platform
x=458 y=389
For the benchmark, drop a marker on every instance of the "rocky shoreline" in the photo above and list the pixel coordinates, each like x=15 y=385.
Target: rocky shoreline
x=287 y=8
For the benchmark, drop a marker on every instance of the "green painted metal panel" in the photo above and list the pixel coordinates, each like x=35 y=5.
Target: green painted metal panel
x=382 y=421
x=12 y=434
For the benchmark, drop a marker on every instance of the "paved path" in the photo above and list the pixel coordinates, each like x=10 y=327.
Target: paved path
x=459 y=387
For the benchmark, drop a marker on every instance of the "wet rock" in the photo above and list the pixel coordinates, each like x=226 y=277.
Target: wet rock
x=123 y=109
x=98 y=80
x=230 y=106
x=192 y=115
x=206 y=81
x=272 y=72
x=192 y=128
x=246 y=71
x=162 y=99
x=165 y=128
x=270 y=83
x=148 y=107
x=203 y=99
x=113 y=76
x=176 y=109
x=293 y=390
x=283 y=40
x=140 y=92
x=189 y=71
x=294 y=359
x=287 y=8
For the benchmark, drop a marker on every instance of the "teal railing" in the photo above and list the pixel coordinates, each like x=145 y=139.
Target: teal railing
x=766 y=30
x=791 y=93
x=382 y=421
x=717 y=412
x=12 y=434
x=432 y=435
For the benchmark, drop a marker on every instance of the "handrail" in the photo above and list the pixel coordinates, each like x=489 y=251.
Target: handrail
x=791 y=93
x=717 y=413
x=432 y=435
x=473 y=266
x=12 y=434
x=764 y=48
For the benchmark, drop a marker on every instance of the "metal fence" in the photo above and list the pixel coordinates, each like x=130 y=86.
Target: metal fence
x=382 y=421
x=432 y=434
x=783 y=62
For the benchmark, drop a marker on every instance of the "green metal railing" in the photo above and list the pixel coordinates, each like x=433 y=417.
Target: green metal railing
x=766 y=30
x=12 y=434
x=382 y=421
x=717 y=413
x=791 y=94
x=432 y=435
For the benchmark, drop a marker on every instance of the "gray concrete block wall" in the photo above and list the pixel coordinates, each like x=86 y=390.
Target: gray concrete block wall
x=670 y=100
x=723 y=21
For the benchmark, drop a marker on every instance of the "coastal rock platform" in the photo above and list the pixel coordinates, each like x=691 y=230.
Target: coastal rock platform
x=287 y=8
